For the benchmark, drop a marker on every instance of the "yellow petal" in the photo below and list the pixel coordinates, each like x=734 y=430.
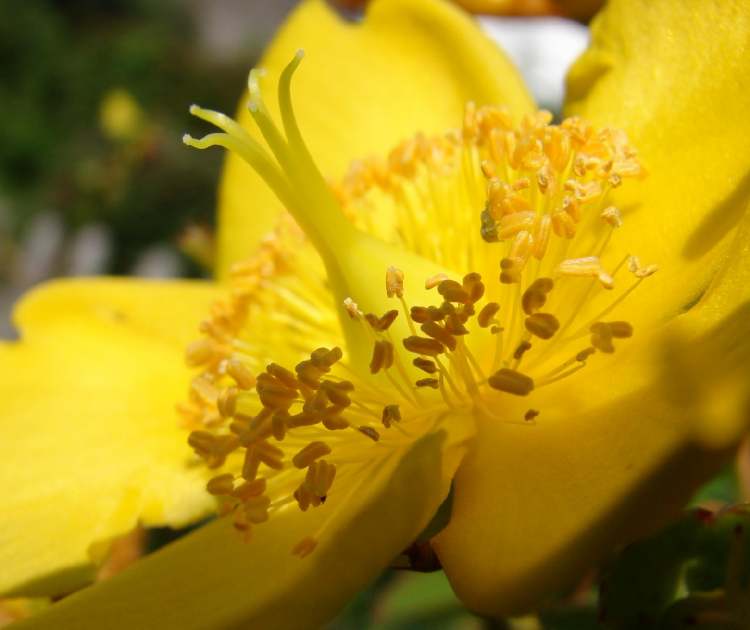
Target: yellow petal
x=614 y=455
x=91 y=439
x=211 y=579
x=410 y=66
x=715 y=334
x=536 y=506
x=676 y=86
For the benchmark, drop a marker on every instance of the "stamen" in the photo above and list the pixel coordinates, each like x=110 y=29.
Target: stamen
x=512 y=382
x=311 y=452
x=391 y=414
x=487 y=314
x=369 y=432
x=394 y=282
x=543 y=325
x=423 y=345
x=588 y=267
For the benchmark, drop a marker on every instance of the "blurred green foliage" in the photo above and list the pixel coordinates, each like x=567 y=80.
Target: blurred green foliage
x=60 y=60
x=695 y=573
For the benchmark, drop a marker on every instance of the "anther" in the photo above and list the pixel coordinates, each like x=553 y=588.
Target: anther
x=259 y=427
x=250 y=464
x=320 y=476
x=423 y=345
x=530 y=415
x=473 y=285
x=309 y=374
x=352 y=309
x=380 y=324
x=279 y=422
x=436 y=331
x=587 y=267
x=510 y=271
x=273 y=393
x=369 y=432
x=488 y=169
x=452 y=291
x=543 y=325
x=425 y=365
x=249 y=489
x=333 y=421
x=428 y=382
x=521 y=349
x=391 y=414
x=310 y=453
x=621 y=330
x=283 y=375
x=420 y=314
x=601 y=337
x=269 y=455
x=256 y=509
x=325 y=358
x=563 y=224
x=226 y=403
x=221 y=485
x=382 y=356
x=454 y=324
x=512 y=382
x=612 y=216
x=433 y=281
x=634 y=266
x=240 y=373
x=520 y=248
x=200 y=352
x=337 y=392
x=488 y=227
x=394 y=282
x=487 y=314
x=512 y=224
x=535 y=296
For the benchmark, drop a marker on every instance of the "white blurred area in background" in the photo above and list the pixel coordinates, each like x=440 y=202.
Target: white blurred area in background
x=542 y=48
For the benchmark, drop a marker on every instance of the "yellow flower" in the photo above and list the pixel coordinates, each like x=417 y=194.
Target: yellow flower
x=556 y=452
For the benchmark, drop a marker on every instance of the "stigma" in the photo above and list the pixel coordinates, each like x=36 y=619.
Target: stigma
x=453 y=278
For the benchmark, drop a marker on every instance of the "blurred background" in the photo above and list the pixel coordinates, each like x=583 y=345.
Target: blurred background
x=94 y=180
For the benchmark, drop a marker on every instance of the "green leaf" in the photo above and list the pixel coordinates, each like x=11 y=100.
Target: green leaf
x=695 y=573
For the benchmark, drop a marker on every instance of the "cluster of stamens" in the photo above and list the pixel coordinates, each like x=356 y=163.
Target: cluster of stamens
x=544 y=183
x=507 y=200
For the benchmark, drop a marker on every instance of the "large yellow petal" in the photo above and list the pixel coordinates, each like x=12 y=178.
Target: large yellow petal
x=673 y=74
x=715 y=398
x=211 y=579
x=410 y=66
x=615 y=454
x=536 y=506
x=91 y=440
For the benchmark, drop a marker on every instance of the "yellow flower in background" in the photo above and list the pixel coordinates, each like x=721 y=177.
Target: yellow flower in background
x=483 y=322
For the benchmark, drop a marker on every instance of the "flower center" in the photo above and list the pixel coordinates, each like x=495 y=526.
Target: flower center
x=523 y=210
